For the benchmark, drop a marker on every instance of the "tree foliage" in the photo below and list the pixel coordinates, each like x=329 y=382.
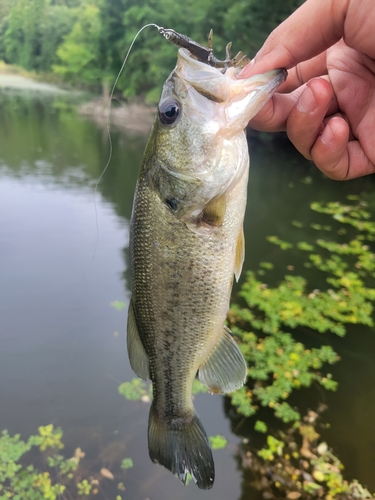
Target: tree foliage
x=85 y=41
x=78 y=54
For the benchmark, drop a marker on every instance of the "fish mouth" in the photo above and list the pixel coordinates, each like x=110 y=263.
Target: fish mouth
x=268 y=82
x=220 y=98
x=219 y=87
x=208 y=81
x=248 y=96
x=253 y=93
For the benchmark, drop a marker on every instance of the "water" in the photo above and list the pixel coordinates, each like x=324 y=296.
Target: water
x=62 y=344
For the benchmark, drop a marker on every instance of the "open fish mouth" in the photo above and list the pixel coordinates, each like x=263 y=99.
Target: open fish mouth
x=197 y=66
x=210 y=94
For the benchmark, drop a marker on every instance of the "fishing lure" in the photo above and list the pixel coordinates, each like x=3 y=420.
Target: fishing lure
x=205 y=54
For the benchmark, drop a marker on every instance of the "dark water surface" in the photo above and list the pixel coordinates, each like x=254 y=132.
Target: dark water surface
x=62 y=345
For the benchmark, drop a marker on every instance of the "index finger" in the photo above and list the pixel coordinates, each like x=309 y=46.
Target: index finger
x=310 y=30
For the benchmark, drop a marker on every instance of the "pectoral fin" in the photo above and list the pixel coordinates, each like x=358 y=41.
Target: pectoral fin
x=213 y=213
x=137 y=354
x=225 y=370
x=240 y=255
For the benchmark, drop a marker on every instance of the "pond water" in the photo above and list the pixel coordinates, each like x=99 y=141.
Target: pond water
x=64 y=260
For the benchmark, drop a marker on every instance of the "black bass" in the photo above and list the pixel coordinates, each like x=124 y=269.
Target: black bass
x=186 y=245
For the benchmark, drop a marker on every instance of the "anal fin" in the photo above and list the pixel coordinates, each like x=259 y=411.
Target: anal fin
x=137 y=355
x=225 y=369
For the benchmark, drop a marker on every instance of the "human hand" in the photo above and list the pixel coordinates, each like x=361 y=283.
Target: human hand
x=327 y=104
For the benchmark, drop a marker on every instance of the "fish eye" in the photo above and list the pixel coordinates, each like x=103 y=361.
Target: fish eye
x=169 y=111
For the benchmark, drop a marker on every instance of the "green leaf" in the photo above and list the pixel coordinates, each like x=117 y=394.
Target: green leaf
x=127 y=463
x=84 y=487
x=260 y=426
x=218 y=442
x=266 y=265
x=118 y=305
x=284 y=245
x=198 y=388
x=134 y=390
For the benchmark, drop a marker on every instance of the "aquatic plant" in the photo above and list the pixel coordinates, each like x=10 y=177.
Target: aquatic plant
x=218 y=442
x=266 y=321
x=298 y=464
x=267 y=318
x=295 y=463
x=19 y=481
x=59 y=478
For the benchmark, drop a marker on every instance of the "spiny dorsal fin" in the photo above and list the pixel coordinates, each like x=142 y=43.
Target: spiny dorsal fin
x=214 y=212
x=240 y=255
x=225 y=369
x=137 y=354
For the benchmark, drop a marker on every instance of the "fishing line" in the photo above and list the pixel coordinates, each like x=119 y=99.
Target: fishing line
x=108 y=114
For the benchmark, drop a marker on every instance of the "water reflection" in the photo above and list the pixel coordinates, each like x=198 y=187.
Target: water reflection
x=63 y=350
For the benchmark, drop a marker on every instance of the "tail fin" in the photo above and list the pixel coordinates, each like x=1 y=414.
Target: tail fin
x=182 y=447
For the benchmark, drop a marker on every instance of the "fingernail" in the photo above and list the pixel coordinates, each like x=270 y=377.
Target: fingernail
x=244 y=73
x=307 y=102
x=327 y=136
x=251 y=64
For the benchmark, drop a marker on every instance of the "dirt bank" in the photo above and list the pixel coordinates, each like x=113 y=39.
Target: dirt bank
x=134 y=118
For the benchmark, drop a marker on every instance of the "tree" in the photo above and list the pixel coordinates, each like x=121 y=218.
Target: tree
x=85 y=41
x=57 y=22
x=79 y=53
x=244 y=22
x=22 y=36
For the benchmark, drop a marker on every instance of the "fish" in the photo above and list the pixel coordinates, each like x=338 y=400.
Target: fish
x=186 y=247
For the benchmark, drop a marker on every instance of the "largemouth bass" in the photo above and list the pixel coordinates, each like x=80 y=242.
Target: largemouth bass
x=186 y=245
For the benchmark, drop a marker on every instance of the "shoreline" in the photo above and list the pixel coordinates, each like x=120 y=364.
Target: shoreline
x=133 y=118
x=16 y=81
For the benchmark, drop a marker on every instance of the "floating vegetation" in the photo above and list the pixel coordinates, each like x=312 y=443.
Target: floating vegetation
x=118 y=305
x=218 y=442
x=266 y=318
x=284 y=245
x=57 y=478
x=298 y=464
x=295 y=463
x=135 y=390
